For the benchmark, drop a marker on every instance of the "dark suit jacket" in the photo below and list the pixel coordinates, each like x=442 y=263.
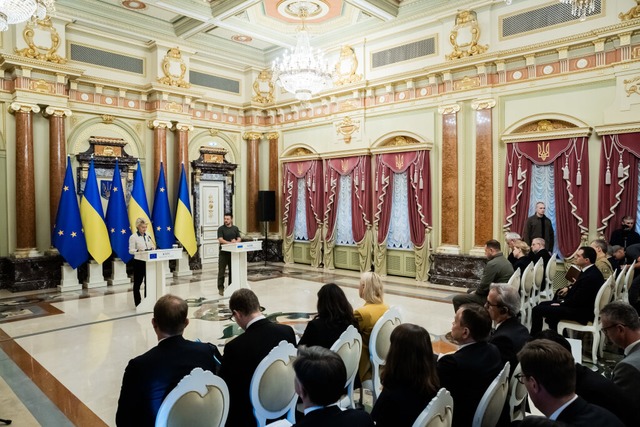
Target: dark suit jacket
x=398 y=407
x=582 y=295
x=242 y=355
x=510 y=337
x=581 y=413
x=150 y=377
x=322 y=332
x=332 y=416
x=466 y=374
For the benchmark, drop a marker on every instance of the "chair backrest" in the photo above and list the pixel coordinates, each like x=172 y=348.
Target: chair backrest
x=628 y=278
x=550 y=272
x=490 y=406
x=438 y=413
x=603 y=297
x=379 y=343
x=200 y=399
x=527 y=280
x=517 y=395
x=349 y=348
x=538 y=273
x=514 y=280
x=620 y=278
x=272 y=388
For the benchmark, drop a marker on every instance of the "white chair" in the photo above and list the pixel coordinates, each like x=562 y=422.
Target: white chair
x=628 y=278
x=526 y=286
x=550 y=274
x=200 y=399
x=379 y=343
x=538 y=280
x=595 y=328
x=438 y=413
x=517 y=396
x=514 y=280
x=272 y=387
x=490 y=406
x=349 y=348
x=620 y=282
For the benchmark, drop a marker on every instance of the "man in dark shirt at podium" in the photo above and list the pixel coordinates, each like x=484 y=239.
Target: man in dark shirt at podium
x=227 y=233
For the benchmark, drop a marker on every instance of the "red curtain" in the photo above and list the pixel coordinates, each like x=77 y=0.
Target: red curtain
x=618 y=180
x=311 y=171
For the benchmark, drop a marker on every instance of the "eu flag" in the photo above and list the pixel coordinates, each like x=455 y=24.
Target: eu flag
x=95 y=230
x=184 y=228
x=117 y=221
x=68 y=236
x=138 y=206
x=161 y=215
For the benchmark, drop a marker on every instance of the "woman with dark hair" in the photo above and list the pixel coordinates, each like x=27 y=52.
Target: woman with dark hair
x=335 y=314
x=409 y=378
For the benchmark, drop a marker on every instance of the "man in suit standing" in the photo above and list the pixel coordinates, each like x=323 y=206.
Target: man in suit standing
x=243 y=354
x=497 y=270
x=539 y=225
x=468 y=372
x=575 y=301
x=503 y=305
x=621 y=324
x=150 y=377
x=320 y=379
x=548 y=373
x=625 y=236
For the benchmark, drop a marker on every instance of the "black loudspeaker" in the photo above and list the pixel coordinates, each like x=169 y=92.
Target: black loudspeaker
x=266 y=206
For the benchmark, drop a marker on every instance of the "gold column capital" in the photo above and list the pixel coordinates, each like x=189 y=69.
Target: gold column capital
x=184 y=127
x=448 y=109
x=23 y=107
x=483 y=104
x=155 y=124
x=57 y=112
x=250 y=136
x=273 y=135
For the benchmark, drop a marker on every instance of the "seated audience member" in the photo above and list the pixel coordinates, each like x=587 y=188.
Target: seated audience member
x=503 y=305
x=243 y=354
x=320 y=378
x=511 y=238
x=521 y=254
x=575 y=301
x=621 y=325
x=595 y=388
x=625 y=236
x=549 y=374
x=497 y=270
x=602 y=263
x=335 y=315
x=150 y=377
x=632 y=254
x=538 y=251
x=616 y=258
x=372 y=292
x=409 y=378
x=468 y=372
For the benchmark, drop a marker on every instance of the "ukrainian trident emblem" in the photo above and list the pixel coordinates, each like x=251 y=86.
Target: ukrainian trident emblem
x=543 y=151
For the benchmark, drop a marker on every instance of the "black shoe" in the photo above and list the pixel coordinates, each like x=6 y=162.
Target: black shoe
x=221 y=292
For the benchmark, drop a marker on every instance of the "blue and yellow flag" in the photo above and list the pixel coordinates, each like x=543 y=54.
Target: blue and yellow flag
x=184 y=228
x=68 y=236
x=117 y=220
x=161 y=215
x=138 y=206
x=95 y=230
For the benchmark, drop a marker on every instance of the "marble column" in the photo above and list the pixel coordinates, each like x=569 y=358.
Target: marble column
x=25 y=180
x=57 y=156
x=159 y=147
x=253 y=179
x=450 y=179
x=182 y=151
x=483 y=221
x=273 y=177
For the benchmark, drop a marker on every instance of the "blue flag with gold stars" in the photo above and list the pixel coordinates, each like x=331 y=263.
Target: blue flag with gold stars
x=68 y=236
x=161 y=215
x=117 y=220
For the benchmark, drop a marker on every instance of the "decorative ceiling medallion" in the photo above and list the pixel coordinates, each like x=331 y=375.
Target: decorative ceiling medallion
x=134 y=4
x=242 y=38
x=290 y=9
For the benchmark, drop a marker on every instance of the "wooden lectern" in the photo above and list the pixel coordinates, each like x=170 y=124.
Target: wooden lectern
x=155 y=281
x=239 y=262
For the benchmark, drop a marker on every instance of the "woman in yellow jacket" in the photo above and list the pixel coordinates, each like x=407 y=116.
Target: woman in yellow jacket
x=372 y=293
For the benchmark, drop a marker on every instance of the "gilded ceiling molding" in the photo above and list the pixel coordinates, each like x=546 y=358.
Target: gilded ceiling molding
x=23 y=107
x=251 y=136
x=345 y=68
x=632 y=86
x=483 y=104
x=633 y=13
x=174 y=69
x=263 y=87
x=39 y=52
x=617 y=128
x=467 y=24
x=448 y=109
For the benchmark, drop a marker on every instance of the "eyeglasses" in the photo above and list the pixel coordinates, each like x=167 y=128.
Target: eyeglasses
x=488 y=304
x=604 y=329
x=521 y=378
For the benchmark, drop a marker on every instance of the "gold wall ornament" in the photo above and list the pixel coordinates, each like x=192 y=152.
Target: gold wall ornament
x=212 y=154
x=399 y=161
x=632 y=86
x=347 y=127
x=250 y=136
x=466 y=83
x=348 y=105
x=543 y=151
x=465 y=36
x=107 y=119
x=272 y=135
x=173 y=107
x=633 y=13
x=42 y=86
x=42 y=53
x=544 y=126
x=345 y=68
x=399 y=141
x=300 y=151
x=174 y=69
x=213 y=132
x=263 y=87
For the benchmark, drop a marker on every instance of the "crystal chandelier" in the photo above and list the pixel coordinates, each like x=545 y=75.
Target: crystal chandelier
x=16 y=11
x=581 y=7
x=302 y=72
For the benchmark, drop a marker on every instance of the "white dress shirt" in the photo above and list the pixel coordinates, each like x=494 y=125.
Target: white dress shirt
x=140 y=242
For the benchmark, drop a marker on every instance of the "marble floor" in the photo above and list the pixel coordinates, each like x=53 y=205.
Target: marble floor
x=64 y=365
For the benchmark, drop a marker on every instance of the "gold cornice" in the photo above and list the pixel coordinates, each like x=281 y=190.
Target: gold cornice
x=617 y=128
x=23 y=107
x=251 y=136
x=420 y=146
x=340 y=154
x=448 y=109
x=483 y=104
x=8 y=61
x=575 y=132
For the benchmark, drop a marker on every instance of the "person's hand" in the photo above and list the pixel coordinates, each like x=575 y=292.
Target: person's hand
x=562 y=292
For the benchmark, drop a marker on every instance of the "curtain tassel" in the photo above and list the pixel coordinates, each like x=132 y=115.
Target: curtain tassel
x=620 y=169
x=578 y=178
x=421 y=184
x=565 y=173
x=510 y=180
x=607 y=177
x=362 y=184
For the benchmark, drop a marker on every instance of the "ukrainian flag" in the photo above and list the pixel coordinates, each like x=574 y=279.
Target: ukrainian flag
x=95 y=230
x=68 y=236
x=184 y=228
x=138 y=206
x=117 y=221
x=161 y=215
